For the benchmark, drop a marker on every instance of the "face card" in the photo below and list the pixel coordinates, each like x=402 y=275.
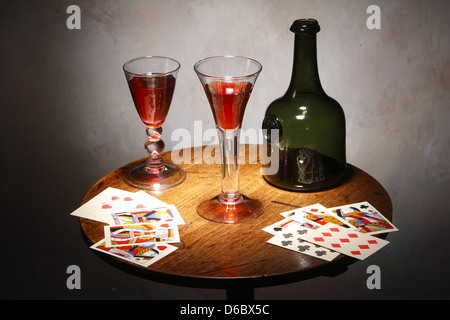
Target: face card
x=344 y=240
x=290 y=238
x=364 y=218
x=168 y=213
x=143 y=255
x=316 y=213
x=281 y=225
x=136 y=234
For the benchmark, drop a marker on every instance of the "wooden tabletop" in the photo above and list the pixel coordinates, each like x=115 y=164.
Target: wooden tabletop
x=221 y=255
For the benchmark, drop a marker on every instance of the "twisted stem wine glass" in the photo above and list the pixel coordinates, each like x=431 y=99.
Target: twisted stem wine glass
x=151 y=80
x=228 y=82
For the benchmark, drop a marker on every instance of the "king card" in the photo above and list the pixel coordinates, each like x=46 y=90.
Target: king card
x=143 y=255
x=316 y=213
x=363 y=217
x=132 y=234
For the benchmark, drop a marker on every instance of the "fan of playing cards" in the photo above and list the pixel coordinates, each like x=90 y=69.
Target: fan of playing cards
x=326 y=232
x=139 y=227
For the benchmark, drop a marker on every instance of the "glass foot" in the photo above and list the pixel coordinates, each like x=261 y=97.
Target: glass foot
x=138 y=177
x=232 y=212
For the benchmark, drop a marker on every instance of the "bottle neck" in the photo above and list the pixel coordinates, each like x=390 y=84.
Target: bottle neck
x=305 y=74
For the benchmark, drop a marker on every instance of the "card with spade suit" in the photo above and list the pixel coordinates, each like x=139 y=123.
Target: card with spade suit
x=290 y=238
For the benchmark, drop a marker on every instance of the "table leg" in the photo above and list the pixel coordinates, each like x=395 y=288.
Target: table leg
x=240 y=293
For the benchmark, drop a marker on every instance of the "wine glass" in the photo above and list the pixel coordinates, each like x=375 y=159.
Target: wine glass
x=228 y=82
x=151 y=80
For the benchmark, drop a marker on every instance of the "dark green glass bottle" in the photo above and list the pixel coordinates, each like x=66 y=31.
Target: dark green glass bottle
x=311 y=136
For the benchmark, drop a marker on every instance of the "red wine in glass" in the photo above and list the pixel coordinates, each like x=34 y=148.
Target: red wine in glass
x=228 y=101
x=228 y=82
x=152 y=97
x=151 y=80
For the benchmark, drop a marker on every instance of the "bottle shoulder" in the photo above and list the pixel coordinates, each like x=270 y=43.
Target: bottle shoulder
x=304 y=103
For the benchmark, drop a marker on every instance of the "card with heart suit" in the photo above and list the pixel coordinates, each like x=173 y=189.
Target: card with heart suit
x=316 y=213
x=345 y=240
x=363 y=217
x=101 y=206
x=136 y=234
x=112 y=201
x=143 y=255
x=290 y=238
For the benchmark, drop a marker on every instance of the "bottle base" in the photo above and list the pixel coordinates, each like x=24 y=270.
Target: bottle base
x=304 y=169
x=304 y=188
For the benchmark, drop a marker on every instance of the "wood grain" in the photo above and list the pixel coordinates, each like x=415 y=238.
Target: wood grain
x=215 y=253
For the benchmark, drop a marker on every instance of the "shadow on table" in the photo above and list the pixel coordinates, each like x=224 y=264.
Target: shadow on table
x=237 y=288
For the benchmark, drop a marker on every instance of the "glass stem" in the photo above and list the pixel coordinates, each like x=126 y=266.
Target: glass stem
x=154 y=146
x=229 y=151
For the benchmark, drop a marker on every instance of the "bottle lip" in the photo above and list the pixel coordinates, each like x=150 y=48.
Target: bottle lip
x=308 y=25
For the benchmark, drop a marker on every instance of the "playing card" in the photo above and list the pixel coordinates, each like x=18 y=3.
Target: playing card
x=140 y=200
x=316 y=213
x=143 y=255
x=281 y=225
x=290 y=238
x=100 y=208
x=112 y=201
x=168 y=213
x=344 y=240
x=364 y=217
x=130 y=234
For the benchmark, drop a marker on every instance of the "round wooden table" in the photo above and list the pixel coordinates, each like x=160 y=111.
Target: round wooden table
x=236 y=256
